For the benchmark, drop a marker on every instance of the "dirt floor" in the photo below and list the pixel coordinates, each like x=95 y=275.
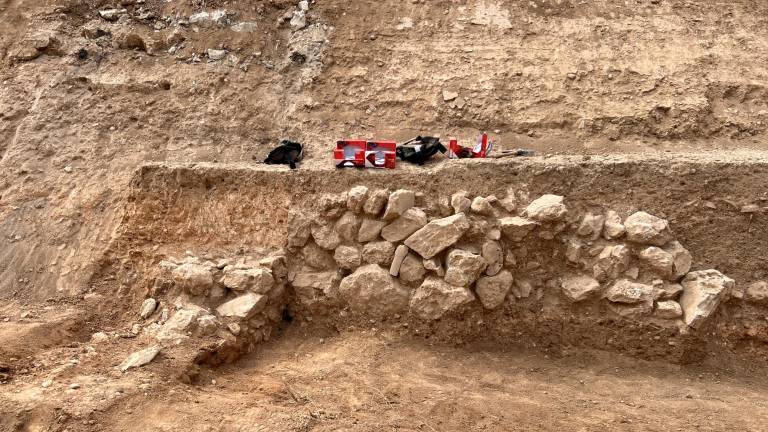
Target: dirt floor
x=376 y=381
x=658 y=105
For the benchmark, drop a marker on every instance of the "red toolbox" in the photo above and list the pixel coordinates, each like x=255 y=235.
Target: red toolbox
x=365 y=154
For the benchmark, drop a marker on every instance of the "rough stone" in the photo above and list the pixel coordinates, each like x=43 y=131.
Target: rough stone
x=460 y=202
x=681 y=258
x=258 y=280
x=463 y=268
x=148 y=308
x=277 y=264
x=244 y=306
x=332 y=205
x=371 y=290
x=580 y=287
x=658 y=260
x=757 y=293
x=668 y=309
x=703 y=291
x=356 y=198
x=613 y=228
x=376 y=202
x=517 y=228
x=207 y=325
x=626 y=291
x=313 y=287
x=298 y=230
x=412 y=270
x=112 y=14
x=510 y=201
x=611 y=263
x=435 y=298
x=380 y=253
x=573 y=249
x=99 y=337
x=548 y=208
x=370 y=230
x=492 y=290
x=434 y=264
x=484 y=205
x=317 y=257
x=400 y=253
x=195 y=279
x=667 y=291
x=522 y=288
x=399 y=202
x=140 y=358
x=216 y=54
x=438 y=235
x=401 y=228
x=347 y=257
x=181 y=322
x=348 y=226
x=591 y=226
x=326 y=236
x=644 y=228
x=493 y=256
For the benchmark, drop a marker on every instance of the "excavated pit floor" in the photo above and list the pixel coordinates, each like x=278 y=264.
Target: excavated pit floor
x=373 y=381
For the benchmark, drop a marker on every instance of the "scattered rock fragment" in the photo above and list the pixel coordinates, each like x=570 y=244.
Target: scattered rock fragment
x=434 y=264
x=408 y=223
x=112 y=14
x=611 y=263
x=463 y=268
x=668 y=309
x=460 y=202
x=400 y=253
x=548 y=208
x=258 y=280
x=483 y=205
x=591 y=226
x=326 y=236
x=658 y=260
x=381 y=253
x=492 y=290
x=493 y=256
x=370 y=230
x=644 y=228
x=682 y=259
x=757 y=293
x=348 y=226
x=435 y=298
x=626 y=291
x=140 y=358
x=356 y=198
x=612 y=227
x=148 y=308
x=195 y=279
x=400 y=201
x=580 y=287
x=371 y=289
x=517 y=228
x=347 y=257
x=412 y=270
x=376 y=202
x=438 y=235
x=703 y=291
x=244 y=306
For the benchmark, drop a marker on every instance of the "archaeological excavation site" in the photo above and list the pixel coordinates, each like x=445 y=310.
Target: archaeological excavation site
x=214 y=215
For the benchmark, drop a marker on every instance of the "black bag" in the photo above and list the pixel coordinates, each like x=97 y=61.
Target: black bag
x=419 y=149
x=287 y=153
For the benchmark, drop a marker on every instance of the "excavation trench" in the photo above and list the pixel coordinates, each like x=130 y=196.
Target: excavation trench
x=312 y=246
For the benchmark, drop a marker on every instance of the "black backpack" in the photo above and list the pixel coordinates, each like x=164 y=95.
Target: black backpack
x=287 y=153
x=419 y=149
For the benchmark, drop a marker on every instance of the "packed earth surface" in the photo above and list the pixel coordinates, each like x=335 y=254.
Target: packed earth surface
x=155 y=275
